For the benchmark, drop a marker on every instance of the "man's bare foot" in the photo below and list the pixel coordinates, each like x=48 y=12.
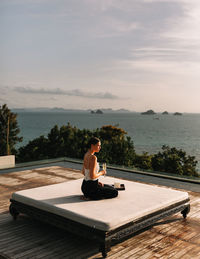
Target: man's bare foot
x=101 y=184
x=84 y=198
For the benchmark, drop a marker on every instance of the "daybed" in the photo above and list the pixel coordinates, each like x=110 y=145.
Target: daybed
x=136 y=208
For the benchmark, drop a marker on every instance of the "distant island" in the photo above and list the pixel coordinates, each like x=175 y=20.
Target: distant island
x=100 y=111
x=149 y=112
x=109 y=110
x=60 y=110
x=165 y=113
x=178 y=113
x=46 y=109
x=97 y=112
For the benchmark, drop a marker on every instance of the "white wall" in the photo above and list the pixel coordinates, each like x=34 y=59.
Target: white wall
x=7 y=161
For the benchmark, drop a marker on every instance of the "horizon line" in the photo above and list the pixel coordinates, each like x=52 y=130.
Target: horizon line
x=93 y=109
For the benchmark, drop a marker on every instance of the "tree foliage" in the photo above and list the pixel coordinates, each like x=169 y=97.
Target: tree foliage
x=72 y=142
x=143 y=161
x=117 y=148
x=8 y=131
x=175 y=161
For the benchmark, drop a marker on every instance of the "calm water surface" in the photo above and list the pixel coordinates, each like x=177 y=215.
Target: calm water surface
x=149 y=132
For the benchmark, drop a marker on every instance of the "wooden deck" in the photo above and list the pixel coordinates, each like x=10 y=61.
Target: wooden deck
x=25 y=238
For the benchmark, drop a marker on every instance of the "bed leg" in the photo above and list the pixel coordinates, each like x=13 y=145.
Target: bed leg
x=104 y=248
x=186 y=211
x=13 y=211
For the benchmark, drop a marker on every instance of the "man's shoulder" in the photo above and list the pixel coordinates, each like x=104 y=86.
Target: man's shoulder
x=93 y=158
x=90 y=157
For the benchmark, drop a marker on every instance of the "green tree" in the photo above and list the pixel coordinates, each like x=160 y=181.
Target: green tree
x=174 y=161
x=72 y=142
x=8 y=131
x=55 y=143
x=36 y=149
x=117 y=148
x=143 y=161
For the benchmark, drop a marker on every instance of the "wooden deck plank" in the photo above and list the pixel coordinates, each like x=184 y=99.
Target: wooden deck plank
x=21 y=242
x=49 y=246
x=26 y=238
x=133 y=244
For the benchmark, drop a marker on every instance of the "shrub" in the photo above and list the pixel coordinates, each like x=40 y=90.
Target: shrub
x=72 y=142
x=143 y=161
x=117 y=148
x=174 y=161
x=8 y=131
x=36 y=149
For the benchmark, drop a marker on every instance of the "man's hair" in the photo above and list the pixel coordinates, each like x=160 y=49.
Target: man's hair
x=93 y=141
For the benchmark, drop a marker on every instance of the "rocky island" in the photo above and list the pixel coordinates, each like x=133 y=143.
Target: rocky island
x=165 y=113
x=149 y=112
x=178 y=113
x=97 y=112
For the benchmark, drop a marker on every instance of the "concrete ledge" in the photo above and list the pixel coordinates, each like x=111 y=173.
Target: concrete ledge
x=157 y=174
x=7 y=161
x=136 y=171
x=113 y=167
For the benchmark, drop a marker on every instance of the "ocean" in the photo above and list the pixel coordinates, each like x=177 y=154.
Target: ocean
x=148 y=132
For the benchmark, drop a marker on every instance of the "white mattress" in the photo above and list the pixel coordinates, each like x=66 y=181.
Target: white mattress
x=136 y=201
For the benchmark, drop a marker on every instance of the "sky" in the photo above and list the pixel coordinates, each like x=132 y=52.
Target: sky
x=90 y=54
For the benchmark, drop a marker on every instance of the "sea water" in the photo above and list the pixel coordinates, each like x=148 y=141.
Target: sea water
x=148 y=132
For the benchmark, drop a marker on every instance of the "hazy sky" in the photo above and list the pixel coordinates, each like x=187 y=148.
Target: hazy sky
x=133 y=54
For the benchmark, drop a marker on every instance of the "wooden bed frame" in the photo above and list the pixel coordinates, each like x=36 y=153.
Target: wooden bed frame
x=105 y=238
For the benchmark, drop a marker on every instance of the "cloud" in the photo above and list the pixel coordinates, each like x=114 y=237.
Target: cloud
x=166 y=54
x=130 y=46
x=58 y=91
x=2 y=100
x=159 y=68
x=185 y=29
x=112 y=27
x=3 y=89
